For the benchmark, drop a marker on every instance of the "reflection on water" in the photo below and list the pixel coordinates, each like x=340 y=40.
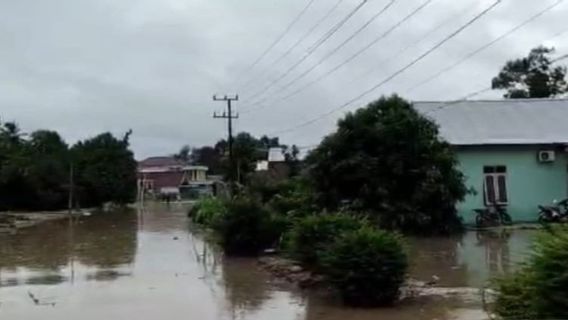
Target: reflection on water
x=469 y=260
x=99 y=241
x=151 y=264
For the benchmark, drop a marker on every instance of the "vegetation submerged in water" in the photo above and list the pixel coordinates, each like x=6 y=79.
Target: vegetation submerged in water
x=367 y=266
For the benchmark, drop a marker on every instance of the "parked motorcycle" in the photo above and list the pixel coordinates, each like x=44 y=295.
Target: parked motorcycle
x=492 y=216
x=558 y=212
x=549 y=214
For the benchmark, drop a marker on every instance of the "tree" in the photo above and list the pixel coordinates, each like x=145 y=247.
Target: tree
x=210 y=157
x=184 y=154
x=532 y=77
x=291 y=156
x=15 y=186
x=105 y=170
x=388 y=161
x=49 y=170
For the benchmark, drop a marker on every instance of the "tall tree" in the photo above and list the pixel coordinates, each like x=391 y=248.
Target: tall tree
x=106 y=170
x=532 y=77
x=388 y=160
x=49 y=170
x=15 y=186
x=184 y=154
x=210 y=157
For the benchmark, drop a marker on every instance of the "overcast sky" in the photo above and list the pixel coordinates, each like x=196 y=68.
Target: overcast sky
x=86 y=66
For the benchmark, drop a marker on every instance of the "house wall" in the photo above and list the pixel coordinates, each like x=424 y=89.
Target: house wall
x=201 y=175
x=529 y=182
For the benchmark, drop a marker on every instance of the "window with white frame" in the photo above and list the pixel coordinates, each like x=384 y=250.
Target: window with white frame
x=495 y=185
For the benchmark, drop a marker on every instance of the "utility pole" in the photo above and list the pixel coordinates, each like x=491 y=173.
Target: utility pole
x=71 y=189
x=229 y=116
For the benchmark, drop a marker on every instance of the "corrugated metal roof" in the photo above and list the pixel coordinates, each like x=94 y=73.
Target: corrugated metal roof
x=513 y=121
x=159 y=162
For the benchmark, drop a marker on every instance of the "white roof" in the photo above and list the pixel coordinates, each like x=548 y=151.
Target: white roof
x=196 y=168
x=262 y=165
x=276 y=155
x=512 y=121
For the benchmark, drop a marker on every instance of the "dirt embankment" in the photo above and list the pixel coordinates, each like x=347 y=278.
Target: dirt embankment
x=290 y=271
x=11 y=222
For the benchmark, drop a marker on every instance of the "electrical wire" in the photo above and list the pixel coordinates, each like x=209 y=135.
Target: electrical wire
x=398 y=54
x=298 y=42
x=318 y=43
x=484 y=47
x=277 y=40
x=341 y=45
x=398 y=72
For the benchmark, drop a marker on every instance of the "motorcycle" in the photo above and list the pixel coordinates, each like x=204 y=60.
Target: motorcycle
x=492 y=216
x=557 y=212
x=548 y=214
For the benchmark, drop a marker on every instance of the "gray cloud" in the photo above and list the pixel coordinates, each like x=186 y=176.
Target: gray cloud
x=81 y=67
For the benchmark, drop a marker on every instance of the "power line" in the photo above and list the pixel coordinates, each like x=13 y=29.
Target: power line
x=400 y=52
x=400 y=71
x=318 y=43
x=489 y=44
x=342 y=44
x=356 y=54
x=438 y=108
x=335 y=28
x=560 y=58
x=421 y=39
x=300 y=40
x=277 y=40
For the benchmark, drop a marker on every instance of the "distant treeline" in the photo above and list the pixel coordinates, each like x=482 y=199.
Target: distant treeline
x=36 y=170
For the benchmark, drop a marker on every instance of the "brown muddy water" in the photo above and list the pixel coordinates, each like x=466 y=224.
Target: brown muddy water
x=152 y=264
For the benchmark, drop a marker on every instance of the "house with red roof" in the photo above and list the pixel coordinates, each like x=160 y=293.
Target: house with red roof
x=161 y=177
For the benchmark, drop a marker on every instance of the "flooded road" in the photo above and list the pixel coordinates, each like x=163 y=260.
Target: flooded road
x=151 y=265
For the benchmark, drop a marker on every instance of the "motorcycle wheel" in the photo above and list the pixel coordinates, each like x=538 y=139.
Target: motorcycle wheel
x=479 y=221
x=506 y=219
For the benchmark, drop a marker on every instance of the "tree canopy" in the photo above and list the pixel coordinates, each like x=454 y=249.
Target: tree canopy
x=106 y=170
x=35 y=170
x=388 y=160
x=534 y=76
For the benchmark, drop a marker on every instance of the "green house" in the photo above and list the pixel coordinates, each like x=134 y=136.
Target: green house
x=512 y=152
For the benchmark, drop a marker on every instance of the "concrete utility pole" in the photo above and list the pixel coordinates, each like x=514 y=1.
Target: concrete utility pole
x=229 y=116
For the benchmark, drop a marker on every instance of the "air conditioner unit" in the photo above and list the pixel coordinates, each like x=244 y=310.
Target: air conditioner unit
x=546 y=156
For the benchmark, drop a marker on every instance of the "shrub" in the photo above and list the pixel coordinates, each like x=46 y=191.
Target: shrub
x=207 y=211
x=294 y=198
x=515 y=299
x=538 y=289
x=310 y=235
x=367 y=266
x=246 y=227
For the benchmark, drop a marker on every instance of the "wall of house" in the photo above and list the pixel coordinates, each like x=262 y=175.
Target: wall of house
x=201 y=175
x=529 y=182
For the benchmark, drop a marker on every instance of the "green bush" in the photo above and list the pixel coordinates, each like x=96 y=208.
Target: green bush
x=367 y=266
x=207 y=211
x=246 y=227
x=515 y=299
x=311 y=235
x=539 y=289
x=294 y=198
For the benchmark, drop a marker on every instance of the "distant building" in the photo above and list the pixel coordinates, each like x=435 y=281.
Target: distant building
x=512 y=152
x=275 y=166
x=168 y=177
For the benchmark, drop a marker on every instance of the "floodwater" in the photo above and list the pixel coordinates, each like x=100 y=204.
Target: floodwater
x=151 y=264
